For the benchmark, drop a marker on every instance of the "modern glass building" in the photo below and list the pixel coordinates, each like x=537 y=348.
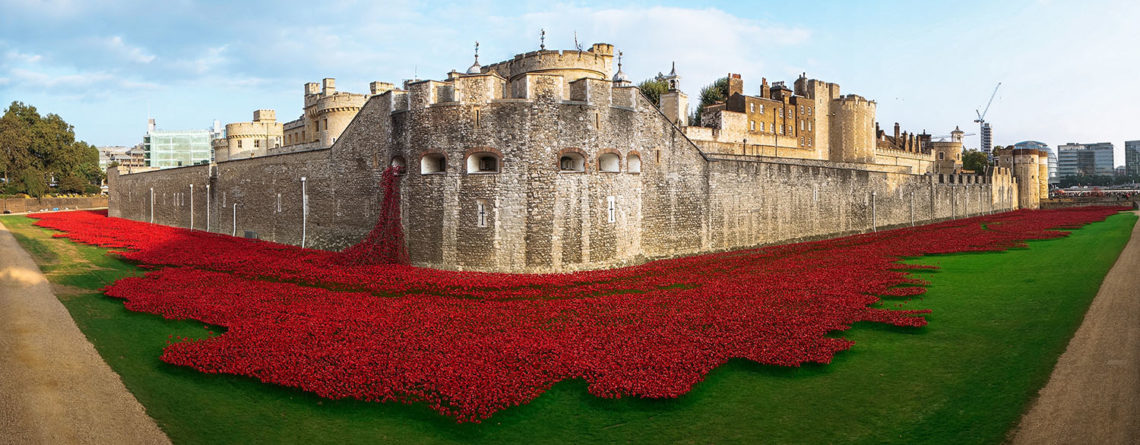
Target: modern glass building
x=180 y=148
x=1038 y=145
x=1085 y=159
x=1132 y=158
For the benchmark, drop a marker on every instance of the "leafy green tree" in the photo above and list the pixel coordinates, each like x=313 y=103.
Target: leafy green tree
x=35 y=149
x=713 y=93
x=32 y=182
x=975 y=160
x=654 y=88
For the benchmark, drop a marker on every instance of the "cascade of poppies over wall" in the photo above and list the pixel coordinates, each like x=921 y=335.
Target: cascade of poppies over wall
x=385 y=244
x=471 y=344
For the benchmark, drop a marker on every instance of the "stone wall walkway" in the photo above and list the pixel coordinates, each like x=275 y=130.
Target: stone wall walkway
x=54 y=387
x=1093 y=395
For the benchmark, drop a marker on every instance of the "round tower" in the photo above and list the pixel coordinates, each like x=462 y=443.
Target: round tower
x=594 y=63
x=947 y=156
x=1025 y=164
x=852 y=136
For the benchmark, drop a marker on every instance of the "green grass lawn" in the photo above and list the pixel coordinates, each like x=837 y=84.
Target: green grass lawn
x=999 y=323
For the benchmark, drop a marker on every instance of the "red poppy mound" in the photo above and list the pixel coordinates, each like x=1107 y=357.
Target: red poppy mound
x=471 y=344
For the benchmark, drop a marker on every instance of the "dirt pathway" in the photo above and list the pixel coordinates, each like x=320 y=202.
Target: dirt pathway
x=54 y=387
x=1093 y=395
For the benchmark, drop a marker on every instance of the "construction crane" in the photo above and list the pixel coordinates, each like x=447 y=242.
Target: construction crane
x=983 y=126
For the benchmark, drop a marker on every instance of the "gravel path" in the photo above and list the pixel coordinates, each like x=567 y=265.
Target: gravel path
x=54 y=387
x=1093 y=395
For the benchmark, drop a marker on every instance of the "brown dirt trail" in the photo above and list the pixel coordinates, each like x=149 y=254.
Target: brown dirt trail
x=54 y=387
x=1093 y=395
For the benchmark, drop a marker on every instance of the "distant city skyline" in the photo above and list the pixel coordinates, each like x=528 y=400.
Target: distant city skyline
x=106 y=66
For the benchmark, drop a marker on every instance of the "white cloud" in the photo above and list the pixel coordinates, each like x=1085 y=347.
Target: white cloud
x=20 y=57
x=132 y=53
x=207 y=63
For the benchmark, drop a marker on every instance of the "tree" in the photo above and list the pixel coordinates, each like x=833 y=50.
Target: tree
x=35 y=148
x=975 y=160
x=654 y=88
x=713 y=93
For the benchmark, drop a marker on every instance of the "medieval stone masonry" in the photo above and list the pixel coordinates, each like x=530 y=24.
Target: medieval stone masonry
x=544 y=163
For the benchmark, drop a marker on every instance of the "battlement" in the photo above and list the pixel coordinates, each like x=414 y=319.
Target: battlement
x=264 y=116
x=336 y=102
x=375 y=88
x=854 y=99
x=816 y=89
x=595 y=62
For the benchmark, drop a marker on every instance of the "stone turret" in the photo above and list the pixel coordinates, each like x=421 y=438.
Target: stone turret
x=852 y=136
x=674 y=103
x=571 y=65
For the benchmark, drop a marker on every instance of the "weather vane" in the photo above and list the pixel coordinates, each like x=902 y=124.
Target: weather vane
x=476 y=51
x=542 y=39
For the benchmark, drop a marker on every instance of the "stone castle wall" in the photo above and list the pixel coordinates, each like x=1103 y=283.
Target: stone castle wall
x=536 y=217
x=23 y=205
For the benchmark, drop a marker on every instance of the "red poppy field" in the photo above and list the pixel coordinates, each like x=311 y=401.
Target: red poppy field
x=471 y=344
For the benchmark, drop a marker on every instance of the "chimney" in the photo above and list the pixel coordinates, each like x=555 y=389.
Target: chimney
x=765 y=92
x=735 y=84
x=896 y=130
x=328 y=86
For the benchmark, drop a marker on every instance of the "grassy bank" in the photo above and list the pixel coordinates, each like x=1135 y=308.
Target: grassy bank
x=999 y=322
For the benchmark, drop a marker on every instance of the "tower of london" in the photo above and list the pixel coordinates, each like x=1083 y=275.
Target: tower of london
x=552 y=162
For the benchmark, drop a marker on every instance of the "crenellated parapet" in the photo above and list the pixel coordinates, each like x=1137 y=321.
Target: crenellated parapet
x=571 y=65
x=596 y=62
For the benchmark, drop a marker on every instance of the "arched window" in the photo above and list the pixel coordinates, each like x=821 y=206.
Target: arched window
x=398 y=161
x=571 y=162
x=482 y=162
x=633 y=163
x=433 y=164
x=609 y=162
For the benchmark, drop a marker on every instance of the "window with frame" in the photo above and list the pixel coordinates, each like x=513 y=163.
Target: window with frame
x=482 y=162
x=633 y=164
x=433 y=164
x=752 y=125
x=571 y=162
x=399 y=163
x=609 y=162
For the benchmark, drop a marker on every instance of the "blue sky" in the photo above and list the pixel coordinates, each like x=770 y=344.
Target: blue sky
x=1069 y=69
